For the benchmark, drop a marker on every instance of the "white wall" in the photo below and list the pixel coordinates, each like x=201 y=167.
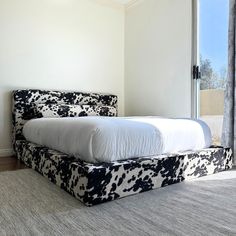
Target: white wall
x=80 y=44
x=158 y=58
x=62 y=45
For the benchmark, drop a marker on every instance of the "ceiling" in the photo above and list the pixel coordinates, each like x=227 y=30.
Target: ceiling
x=122 y=1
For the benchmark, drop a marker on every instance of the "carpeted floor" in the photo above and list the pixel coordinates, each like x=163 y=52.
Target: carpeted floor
x=31 y=205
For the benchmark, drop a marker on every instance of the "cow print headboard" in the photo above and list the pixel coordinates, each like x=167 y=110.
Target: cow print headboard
x=25 y=102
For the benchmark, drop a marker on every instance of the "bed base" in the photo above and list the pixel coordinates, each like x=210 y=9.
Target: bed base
x=97 y=183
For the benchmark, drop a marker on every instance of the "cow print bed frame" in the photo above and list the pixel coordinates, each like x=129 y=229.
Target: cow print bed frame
x=97 y=183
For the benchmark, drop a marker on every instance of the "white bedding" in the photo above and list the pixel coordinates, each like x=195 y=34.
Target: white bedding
x=106 y=139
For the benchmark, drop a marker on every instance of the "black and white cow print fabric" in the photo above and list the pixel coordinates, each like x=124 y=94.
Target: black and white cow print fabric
x=65 y=110
x=97 y=183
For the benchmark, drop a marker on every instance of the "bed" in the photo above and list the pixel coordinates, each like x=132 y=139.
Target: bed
x=97 y=182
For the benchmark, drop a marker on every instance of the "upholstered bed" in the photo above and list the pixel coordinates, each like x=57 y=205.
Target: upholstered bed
x=94 y=183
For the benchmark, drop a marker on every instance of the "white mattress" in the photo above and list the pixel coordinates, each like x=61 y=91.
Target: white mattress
x=106 y=139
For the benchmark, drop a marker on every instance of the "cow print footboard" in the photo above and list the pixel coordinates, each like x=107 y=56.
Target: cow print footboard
x=97 y=183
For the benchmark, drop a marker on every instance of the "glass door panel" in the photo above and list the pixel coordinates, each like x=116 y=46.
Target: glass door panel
x=213 y=49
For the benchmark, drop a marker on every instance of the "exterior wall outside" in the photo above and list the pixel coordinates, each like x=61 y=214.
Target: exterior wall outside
x=212 y=102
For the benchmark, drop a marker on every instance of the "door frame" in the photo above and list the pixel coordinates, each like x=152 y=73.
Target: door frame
x=195 y=84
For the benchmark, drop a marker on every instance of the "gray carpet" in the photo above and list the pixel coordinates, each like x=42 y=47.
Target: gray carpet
x=31 y=205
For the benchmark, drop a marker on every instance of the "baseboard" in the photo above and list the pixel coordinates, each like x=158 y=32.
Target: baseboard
x=6 y=152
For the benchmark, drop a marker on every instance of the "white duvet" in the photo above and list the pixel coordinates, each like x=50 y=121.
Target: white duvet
x=106 y=139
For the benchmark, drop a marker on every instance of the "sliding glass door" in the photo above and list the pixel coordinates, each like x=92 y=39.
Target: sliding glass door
x=210 y=60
